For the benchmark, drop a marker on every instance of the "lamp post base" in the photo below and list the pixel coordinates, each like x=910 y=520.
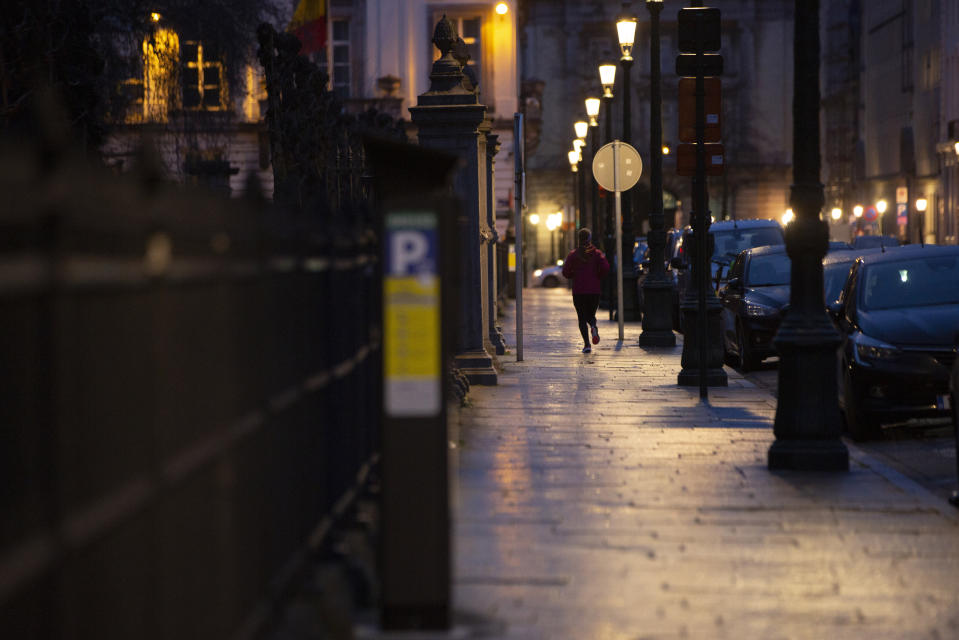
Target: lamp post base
x=808 y=455
x=715 y=375
x=657 y=314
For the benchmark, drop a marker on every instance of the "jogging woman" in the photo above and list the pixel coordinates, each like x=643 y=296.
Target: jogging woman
x=586 y=266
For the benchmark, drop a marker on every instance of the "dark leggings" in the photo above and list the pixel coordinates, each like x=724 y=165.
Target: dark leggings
x=586 y=305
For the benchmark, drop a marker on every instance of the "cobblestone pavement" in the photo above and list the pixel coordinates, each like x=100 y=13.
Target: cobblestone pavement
x=593 y=499
x=922 y=450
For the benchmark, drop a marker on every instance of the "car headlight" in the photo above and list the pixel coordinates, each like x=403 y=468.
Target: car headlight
x=537 y=273
x=757 y=310
x=872 y=350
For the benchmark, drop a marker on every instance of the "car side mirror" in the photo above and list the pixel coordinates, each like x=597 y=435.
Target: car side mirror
x=677 y=263
x=734 y=284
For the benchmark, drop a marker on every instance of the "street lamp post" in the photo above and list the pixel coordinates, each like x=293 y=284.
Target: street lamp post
x=626 y=32
x=807 y=426
x=920 y=224
x=881 y=207
x=582 y=130
x=573 y=157
x=607 y=77
x=592 y=110
x=657 y=288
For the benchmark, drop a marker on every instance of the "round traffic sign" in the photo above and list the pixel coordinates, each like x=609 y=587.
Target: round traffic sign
x=629 y=166
x=870 y=214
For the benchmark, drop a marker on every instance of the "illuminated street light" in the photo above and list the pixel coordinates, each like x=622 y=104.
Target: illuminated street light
x=921 y=205
x=155 y=17
x=626 y=31
x=788 y=216
x=607 y=77
x=573 y=159
x=881 y=206
x=582 y=128
x=502 y=8
x=857 y=211
x=665 y=149
x=534 y=218
x=592 y=110
x=836 y=213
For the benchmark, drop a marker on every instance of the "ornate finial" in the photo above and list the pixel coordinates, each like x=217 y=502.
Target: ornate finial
x=444 y=36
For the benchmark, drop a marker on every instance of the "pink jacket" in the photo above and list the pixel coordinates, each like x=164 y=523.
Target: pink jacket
x=586 y=269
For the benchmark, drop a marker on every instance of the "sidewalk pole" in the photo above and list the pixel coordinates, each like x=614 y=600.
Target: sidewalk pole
x=518 y=206
x=619 y=239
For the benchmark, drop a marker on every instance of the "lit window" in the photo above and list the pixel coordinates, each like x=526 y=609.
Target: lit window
x=150 y=95
x=203 y=82
x=341 y=58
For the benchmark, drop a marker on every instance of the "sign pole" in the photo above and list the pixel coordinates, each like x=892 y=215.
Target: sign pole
x=619 y=238
x=518 y=205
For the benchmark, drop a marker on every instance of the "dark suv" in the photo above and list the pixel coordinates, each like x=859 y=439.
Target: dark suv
x=730 y=238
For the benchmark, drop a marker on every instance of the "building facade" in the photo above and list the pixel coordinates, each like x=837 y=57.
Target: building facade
x=563 y=42
x=891 y=117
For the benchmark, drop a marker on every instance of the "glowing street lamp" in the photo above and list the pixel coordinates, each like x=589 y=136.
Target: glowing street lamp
x=581 y=127
x=881 y=206
x=502 y=8
x=788 y=216
x=592 y=110
x=921 y=205
x=534 y=218
x=626 y=31
x=607 y=78
x=857 y=211
x=836 y=213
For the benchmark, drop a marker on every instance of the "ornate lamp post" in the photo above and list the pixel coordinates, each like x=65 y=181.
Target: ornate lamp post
x=582 y=129
x=657 y=288
x=607 y=77
x=626 y=32
x=592 y=110
x=807 y=426
x=573 y=157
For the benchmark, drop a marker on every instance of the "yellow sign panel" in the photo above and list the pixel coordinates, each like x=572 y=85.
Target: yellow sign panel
x=412 y=328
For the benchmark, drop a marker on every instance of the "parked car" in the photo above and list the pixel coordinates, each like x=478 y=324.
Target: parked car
x=549 y=277
x=730 y=238
x=898 y=313
x=753 y=300
x=874 y=242
x=756 y=295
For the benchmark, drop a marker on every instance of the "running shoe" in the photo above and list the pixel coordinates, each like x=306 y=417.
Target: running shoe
x=587 y=349
x=595 y=334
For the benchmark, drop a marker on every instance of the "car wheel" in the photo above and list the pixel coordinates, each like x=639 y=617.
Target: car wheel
x=747 y=360
x=860 y=425
x=551 y=282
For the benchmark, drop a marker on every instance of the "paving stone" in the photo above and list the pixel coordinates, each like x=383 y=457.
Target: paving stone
x=594 y=498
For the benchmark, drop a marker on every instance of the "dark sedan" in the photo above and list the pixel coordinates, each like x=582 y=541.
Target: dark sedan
x=753 y=299
x=756 y=295
x=899 y=318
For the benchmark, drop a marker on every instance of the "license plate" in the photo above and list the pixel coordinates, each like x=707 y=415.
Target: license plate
x=943 y=402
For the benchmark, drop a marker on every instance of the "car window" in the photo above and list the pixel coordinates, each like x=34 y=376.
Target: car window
x=834 y=277
x=768 y=270
x=730 y=243
x=917 y=282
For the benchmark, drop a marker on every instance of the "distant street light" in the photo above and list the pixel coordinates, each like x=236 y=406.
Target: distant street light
x=592 y=110
x=665 y=149
x=836 y=213
x=881 y=207
x=921 y=205
x=607 y=78
x=857 y=211
x=788 y=216
x=581 y=127
x=534 y=218
x=502 y=8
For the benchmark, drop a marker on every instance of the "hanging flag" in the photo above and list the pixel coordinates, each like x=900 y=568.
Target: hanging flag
x=309 y=25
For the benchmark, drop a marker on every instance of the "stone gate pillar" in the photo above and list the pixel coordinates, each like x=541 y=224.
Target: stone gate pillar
x=449 y=118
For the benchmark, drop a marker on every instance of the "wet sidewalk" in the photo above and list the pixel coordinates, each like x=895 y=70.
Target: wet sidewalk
x=593 y=499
